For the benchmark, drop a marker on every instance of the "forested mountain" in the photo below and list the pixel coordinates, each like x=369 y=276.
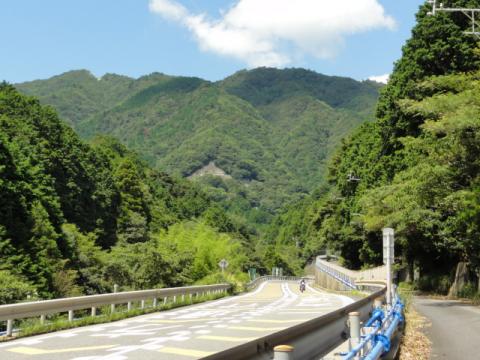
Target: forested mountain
x=416 y=168
x=270 y=131
x=77 y=218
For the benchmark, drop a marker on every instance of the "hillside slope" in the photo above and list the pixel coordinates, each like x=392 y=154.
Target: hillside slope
x=77 y=218
x=270 y=130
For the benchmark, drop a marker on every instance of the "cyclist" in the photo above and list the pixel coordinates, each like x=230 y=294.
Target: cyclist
x=302 y=285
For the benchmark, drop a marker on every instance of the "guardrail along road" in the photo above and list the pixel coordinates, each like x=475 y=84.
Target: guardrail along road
x=190 y=332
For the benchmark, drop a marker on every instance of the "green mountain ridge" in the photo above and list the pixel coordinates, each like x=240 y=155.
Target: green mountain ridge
x=271 y=130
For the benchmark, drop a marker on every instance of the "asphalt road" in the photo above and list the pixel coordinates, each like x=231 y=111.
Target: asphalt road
x=454 y=330
x=184 y=333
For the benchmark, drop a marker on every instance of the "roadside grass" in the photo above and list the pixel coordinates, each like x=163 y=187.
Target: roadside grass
x=33 y=326
x=414 y=345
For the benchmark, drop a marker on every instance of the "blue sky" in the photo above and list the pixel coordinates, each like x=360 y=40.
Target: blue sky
x=132 y=37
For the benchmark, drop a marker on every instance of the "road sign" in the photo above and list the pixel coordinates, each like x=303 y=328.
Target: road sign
x=252 y=272
x=223 y=264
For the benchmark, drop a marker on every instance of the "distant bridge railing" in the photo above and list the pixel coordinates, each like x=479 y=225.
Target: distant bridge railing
x=350 y=278
x=42 y=308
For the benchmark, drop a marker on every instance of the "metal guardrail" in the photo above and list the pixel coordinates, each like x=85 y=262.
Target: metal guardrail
x=352 y=278
x=382 y=325
x=338 y=275
x=330 y=328
x=12 y=312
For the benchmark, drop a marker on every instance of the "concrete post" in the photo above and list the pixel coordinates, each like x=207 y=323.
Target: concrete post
x=142 y=304
x=354 y=323
x=129 y=306
x=165 y=300
x=388 y=255
x=283 y=352
x=183 y=298
x=174 y=299
x=112 y=307
x=94 y=311
x=70 y=315
x=155 y=302
x=42 y=319
x=9 y=328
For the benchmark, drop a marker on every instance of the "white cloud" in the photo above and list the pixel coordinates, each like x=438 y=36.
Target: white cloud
x=267 y=32
x=380 y=78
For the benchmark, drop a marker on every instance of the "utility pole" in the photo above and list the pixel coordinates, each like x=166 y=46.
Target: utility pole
x=472 y=13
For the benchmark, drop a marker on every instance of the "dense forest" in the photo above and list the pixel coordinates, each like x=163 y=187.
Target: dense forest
x=78 y=218
x=415 y=168
x=270 y=131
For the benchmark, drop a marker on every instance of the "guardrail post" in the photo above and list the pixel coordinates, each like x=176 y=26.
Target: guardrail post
x=154 y=303
x=9 y=327
x=354 y=323
x=183 y=297
x=42 y=319
x=70 y=315
x=129 y=306
x=94 y=311
x=142 y=304
x=112 y=307
x=174 y=299
x=165 y=300
x=190 y=297
x=283 y=352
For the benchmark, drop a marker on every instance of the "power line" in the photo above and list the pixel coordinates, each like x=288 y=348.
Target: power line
x=473 y=14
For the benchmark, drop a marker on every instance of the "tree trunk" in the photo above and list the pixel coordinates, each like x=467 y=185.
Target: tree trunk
x=461 y=279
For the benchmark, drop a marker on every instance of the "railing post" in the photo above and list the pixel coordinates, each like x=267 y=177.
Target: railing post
x=112 y=307
x=142 y=304
x=165 y=300
x=42 y=319
x=154 y=304
x=354 y=323
x=283 y=352
x=94 y=311
x=174 y=299
x=9 y=327
x=70 y=315
x=129 y=306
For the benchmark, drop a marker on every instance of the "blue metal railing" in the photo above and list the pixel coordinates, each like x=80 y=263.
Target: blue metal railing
x=384 y=325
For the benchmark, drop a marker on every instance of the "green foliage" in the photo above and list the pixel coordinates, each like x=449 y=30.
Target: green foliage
x=414 y=169
x=14 y=288
x=78 y=218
